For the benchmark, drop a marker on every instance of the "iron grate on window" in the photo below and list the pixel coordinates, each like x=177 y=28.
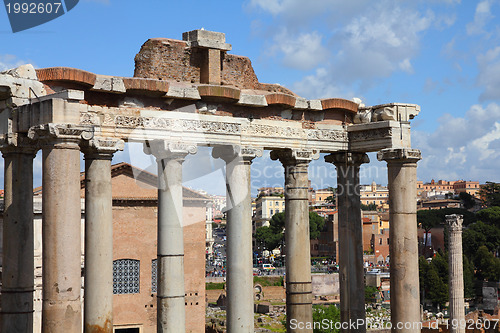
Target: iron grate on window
x=154 y=270
x=126 y=276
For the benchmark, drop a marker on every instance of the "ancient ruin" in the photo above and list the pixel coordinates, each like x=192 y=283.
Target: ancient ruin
x=457 y=322
x=185 y=94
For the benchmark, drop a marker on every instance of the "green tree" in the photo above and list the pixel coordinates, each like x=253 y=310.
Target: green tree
x=469 y=281
x=490 y=194
x=440 y=262
x=478 y=234
x=277 y=222
x=423 y=268
x=271 y=237
x=487 y=265
x=316 y=225
x=437 y=288
x=467 y=200
x=331 y=199
x=329 y=312
x=267 y=238
x=370 y=292
x=428 y=219
x=371 y=206
x=490 y=215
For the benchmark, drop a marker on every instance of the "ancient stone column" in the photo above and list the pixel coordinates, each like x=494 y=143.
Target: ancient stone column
x=18 y=265
x=239 y=236
x=98 y=295
x=351 y=271
x=61 y=226
x=171 y=316
x=456 y=274
x=297 y=242
x=403 y=251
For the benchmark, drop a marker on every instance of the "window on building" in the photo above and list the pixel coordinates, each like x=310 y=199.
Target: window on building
x=271 y=211
x=387 y=240
x=380 y=241
x=127 y=330
x=126 y=276
x=154 y=274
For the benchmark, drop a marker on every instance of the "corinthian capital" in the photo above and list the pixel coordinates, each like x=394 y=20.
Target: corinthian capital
x=455 y=222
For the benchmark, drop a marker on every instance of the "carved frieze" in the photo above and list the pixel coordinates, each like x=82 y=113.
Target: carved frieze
x=320 y=134
x=379 y=133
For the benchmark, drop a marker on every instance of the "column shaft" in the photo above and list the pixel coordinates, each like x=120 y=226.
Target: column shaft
x=239 y=237
x=171 y=304
x=456 y=274
x=351 y=271
x=18 y=262
x=402 y=183
x=297 y=241
x=98 y=301
x=298 y=248
x=61 y=238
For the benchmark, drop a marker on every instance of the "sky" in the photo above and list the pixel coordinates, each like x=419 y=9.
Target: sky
x=441 y=54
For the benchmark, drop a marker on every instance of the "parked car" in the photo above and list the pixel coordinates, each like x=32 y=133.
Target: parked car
x=268 y=267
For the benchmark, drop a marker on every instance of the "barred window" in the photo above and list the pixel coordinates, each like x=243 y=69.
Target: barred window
x=126 y=276
x=154 y=272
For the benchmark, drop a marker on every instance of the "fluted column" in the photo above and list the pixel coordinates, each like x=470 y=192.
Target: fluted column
x=171 y=314
x=351 y=271
x=403 y=246
x=297 y=242
x=61 y=226
x=98 y=296
x=456 y=274
x=18 y=255
x=239 y=236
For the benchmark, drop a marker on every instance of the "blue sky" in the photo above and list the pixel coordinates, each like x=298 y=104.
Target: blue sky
x=441 y=54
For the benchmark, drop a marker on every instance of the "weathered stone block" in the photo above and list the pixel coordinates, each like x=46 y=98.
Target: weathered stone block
x=252 y=100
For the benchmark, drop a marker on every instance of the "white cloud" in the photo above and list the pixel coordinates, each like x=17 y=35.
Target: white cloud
x=8 y=61
x=303 y=51
x=462 y=147
x=481 y=17
x=360 y=41
x=489 y=74
x=321 y=84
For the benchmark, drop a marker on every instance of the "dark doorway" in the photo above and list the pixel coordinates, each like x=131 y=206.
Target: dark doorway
x=127 y=330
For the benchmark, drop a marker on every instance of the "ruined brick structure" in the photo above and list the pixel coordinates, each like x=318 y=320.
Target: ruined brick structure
x=186 y=94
